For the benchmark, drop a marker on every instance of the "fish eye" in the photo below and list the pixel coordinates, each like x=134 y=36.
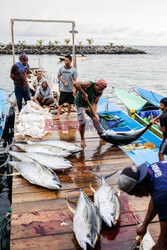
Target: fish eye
x=89 y=235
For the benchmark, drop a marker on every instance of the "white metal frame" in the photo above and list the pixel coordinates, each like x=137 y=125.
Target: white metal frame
x=45 y=21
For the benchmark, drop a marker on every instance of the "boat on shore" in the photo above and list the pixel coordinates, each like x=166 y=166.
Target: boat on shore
x=143 y=150
x=149 y=96
x=140 y=109
x=78 y=57
x=3 y=111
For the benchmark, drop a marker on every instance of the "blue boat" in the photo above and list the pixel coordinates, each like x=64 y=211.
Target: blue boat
x=150 y=96
x=122 y=122
x=3 y=111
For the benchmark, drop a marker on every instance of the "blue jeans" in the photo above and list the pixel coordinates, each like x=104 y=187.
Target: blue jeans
x=21 y=93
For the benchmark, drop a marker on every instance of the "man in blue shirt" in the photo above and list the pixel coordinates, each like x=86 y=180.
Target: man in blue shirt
x=144 y=181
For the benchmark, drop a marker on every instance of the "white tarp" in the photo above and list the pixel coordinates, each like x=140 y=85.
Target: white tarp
x=32 y=120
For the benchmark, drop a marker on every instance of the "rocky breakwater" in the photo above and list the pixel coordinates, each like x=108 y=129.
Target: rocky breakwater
x=64 y=49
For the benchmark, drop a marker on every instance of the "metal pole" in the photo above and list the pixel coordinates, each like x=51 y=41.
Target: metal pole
x=12 y=33
x=73 y=46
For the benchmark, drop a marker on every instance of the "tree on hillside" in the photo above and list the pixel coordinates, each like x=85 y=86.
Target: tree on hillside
x=111 y=44
x=67 y=41
x=90 y=41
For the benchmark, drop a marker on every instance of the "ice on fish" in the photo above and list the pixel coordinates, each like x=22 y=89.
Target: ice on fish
x=37 y=174
x=50 y=161
x=43 y=149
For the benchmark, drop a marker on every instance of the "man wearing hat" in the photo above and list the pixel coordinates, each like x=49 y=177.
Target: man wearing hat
x=93 y=91
x=18 y=74
x=143 y=181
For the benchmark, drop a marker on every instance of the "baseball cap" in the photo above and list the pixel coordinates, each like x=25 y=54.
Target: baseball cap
x=102 y=83
x=131 y=176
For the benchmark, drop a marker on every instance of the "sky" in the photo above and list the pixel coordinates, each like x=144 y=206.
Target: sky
x=122 y=22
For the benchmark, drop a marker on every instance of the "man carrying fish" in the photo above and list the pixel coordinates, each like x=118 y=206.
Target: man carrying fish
x=92 y=91
x=143 y=181
x=18 y=74
x=44 y=95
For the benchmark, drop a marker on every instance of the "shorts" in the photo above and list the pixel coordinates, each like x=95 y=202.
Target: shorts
x=163 y=147
x=160 y=204
x=66 y=97
x=81 y=115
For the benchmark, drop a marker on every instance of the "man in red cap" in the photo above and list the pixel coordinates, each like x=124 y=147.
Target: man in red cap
x=93 y=91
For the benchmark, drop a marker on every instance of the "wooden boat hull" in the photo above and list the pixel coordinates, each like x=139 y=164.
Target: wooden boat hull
x=144 y=155
x=150 y=96
x=3 y=111
x=135 y=105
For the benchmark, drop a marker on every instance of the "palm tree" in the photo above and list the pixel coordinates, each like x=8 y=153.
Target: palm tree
x=56 y=42
x=67 y=41
x=21 y=43
x=80 y=43
x=90 y=41
x=50 y=43
x=40 y=42
x=111 y=44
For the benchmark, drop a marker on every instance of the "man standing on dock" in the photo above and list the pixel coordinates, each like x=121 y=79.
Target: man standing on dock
x=67 y=75
x=91 y=91
x=18 y=74
x=143 y=181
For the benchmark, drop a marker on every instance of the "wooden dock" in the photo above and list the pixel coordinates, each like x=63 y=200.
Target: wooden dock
x=40 y=217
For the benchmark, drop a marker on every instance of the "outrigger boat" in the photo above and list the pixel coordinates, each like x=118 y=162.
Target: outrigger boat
x=3 y=111
x=140 y=109
x=143 y=150
x=150 y=96
x=78 y=57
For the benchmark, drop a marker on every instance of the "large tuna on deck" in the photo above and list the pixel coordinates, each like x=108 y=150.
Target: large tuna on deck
x=86 y=222
x=37 y=174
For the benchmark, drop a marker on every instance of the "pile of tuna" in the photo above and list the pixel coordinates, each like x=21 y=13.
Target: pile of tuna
x=88 y=216
x=39 y=159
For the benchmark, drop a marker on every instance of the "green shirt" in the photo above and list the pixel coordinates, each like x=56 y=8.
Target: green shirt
x=92 y=94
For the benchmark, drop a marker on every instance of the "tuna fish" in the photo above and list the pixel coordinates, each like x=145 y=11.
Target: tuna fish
x=50 y=161
x=37 y=174
x=122 y=138
x=86 y=222
x=57 y=143
x=107 y=201
x=43 y=149
x=117 y=137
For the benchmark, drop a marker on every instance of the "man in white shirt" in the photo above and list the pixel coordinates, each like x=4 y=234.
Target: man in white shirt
x=36 y=82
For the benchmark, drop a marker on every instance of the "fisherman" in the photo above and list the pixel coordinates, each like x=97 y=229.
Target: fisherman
x=44 y=95
x=18 y=74
x=36 y=82
x=143 y=181
x=163 y=127
x=67 y=75
x=92 y=90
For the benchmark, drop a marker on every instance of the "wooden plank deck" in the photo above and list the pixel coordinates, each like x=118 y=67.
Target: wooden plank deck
x=40 y=217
